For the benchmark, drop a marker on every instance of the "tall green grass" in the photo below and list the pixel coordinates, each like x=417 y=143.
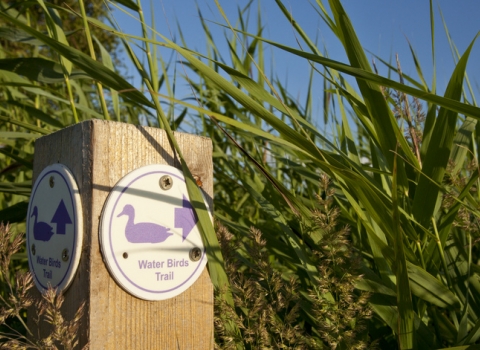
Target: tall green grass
x=403 y=161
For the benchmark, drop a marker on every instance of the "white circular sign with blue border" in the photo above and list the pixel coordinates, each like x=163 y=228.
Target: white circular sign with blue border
x=149 y=236
x=54 y=228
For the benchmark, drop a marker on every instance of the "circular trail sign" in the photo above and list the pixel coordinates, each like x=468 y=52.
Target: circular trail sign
x=149 y=236
x=54 y=228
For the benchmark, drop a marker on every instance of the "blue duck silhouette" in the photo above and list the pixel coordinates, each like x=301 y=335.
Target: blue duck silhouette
x=41 y=230
x=143 y=232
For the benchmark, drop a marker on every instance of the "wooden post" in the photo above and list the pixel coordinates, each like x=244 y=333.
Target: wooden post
x=99 y=154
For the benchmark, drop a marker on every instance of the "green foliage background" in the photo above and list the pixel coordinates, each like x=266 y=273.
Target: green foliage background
x=403 y=161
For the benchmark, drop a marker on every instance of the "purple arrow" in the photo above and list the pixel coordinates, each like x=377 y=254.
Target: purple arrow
x=185 y=218
x=61 y=218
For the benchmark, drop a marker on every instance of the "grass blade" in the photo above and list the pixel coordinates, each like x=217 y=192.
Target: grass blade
x=439 y=149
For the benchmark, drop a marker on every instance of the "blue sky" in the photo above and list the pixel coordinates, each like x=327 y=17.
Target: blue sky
x=384 y=28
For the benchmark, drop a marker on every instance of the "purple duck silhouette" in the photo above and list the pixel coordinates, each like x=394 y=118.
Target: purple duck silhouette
x=143 y=232
x=41 y=230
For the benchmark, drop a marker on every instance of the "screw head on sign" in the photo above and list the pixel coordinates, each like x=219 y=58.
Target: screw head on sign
x=65 y=255
x=166 y=182
x=125 y=255
x=33 y=249
x=52 y=181
x=195 y=254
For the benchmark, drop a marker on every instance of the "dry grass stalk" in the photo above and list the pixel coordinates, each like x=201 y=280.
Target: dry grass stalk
x=268 y=307
x=15 y=299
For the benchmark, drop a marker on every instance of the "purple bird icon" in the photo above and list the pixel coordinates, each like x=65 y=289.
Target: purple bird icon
x=143 y=232
x=41 y=230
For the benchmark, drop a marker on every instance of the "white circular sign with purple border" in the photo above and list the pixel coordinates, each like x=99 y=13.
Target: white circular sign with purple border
x=54 y=228
x=149 y=236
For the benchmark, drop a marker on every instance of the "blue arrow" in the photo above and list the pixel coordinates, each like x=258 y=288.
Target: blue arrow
x=185 y=218
x=61 y=218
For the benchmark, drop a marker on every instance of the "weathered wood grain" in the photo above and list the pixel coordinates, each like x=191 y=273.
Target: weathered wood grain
x=99 y=154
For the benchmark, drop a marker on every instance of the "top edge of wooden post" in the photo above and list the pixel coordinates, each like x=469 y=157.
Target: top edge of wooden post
x=101 y=122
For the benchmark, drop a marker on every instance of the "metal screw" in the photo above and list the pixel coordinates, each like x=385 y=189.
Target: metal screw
x=65 y=255
x=166 y=182
x=33 y=249
x=52 y=181
x=125 y=255
x=195 y=254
